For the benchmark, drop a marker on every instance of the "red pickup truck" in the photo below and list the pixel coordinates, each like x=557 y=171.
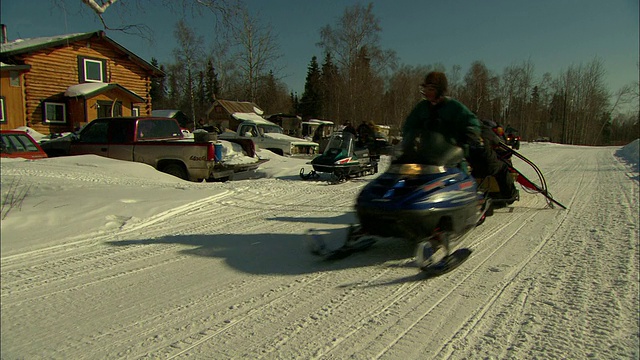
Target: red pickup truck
x=158 y=142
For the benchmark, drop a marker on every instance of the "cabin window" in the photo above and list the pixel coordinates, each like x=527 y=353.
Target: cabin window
x=105 y=109
x=91 y=70
x=55 y=112
x=3 y=111
x=14 y=78
x=135 y=111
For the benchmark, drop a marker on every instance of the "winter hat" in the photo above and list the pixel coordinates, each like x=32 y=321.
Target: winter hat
x=437 y=79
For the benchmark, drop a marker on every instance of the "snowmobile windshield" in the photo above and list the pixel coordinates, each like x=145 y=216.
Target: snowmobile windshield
x=434 y=150
x=341 y=140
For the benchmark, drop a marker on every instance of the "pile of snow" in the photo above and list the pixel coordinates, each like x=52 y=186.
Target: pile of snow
x=233 y=154
x=630 y=153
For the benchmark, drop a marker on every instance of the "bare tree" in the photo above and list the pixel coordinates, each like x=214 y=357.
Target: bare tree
x=403 y=93
x=515 y=95
x=454 y=77
x=354 y=45
x=124 y=12
x=190 y=56
x=476 y=89
x=358 y=28
x=225 y=62
x=258 y=51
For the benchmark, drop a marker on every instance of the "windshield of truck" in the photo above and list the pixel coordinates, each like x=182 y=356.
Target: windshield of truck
x=158 y=129
x=274 y=129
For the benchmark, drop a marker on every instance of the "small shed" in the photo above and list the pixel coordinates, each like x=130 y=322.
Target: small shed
x=220 y=113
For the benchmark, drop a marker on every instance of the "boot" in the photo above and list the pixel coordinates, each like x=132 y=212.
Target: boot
x=508 y=189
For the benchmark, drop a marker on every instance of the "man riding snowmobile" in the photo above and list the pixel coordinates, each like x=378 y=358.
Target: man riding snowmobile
x=442 y=114
x=429 y=195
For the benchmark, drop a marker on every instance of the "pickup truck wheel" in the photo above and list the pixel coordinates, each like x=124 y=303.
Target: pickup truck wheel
x=175 y=170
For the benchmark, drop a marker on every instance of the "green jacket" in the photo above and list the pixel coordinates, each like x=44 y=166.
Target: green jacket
x=450 y=118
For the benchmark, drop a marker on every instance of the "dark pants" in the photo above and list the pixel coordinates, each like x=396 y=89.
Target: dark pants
x=484 y=162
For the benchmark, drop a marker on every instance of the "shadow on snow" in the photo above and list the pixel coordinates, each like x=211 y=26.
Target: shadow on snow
x=278 y=254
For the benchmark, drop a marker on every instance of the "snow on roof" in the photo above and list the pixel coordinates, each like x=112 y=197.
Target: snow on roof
x=164 y=113
x=251 y=117
x=84 y=89
x=20 y=44
x=92 y=89
x=318 y=121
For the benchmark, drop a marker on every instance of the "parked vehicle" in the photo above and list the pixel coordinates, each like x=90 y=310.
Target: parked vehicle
x=318 y=131
x=542 y=139
x=19 y=144
x=158 y=142
x=512 y=138
x=343 y=160
x=269 y=136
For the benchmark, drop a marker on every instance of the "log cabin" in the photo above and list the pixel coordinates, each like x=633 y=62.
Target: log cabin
x=59 y=83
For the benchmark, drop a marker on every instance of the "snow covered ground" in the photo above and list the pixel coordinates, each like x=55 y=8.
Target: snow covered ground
x=109 y=259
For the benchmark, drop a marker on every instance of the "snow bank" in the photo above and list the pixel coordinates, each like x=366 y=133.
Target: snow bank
x=630 y=154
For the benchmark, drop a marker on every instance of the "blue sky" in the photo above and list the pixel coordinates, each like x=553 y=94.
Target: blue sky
x=553 y=34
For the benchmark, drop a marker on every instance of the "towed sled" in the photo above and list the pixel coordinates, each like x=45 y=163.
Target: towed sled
x=428 y=200
x=342 y=160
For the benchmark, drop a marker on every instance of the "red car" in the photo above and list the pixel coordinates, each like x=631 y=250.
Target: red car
x=19 y=144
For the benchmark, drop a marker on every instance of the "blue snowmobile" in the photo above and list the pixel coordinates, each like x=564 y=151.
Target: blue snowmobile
x=428 y=198
x=425 y=198
x=343 y=159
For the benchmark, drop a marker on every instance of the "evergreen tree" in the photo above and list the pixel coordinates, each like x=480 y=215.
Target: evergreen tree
x=157 y=91
x=201 y=99
x=212 y=84
x=310 y=103
x=330 y=88
x=295 y=104
x=267 y=96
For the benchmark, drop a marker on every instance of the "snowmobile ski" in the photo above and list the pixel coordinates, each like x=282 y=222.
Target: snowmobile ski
x=429 y=263
x=353 y=244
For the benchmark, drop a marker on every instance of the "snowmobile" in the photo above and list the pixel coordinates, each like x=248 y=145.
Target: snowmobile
x=512 y=138
x=429 y=199
x=342 y=159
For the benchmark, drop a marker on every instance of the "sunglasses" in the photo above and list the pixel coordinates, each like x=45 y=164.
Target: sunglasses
x=427 y=87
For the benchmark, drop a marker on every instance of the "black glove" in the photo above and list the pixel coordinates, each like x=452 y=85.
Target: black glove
x=475 y=142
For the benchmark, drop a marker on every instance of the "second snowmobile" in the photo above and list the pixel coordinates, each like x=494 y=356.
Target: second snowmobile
x=342 y=159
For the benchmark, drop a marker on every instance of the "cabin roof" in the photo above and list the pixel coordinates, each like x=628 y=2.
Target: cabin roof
x=25 y=46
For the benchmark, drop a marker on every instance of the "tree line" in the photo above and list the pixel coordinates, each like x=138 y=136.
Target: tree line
x=357 y=80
